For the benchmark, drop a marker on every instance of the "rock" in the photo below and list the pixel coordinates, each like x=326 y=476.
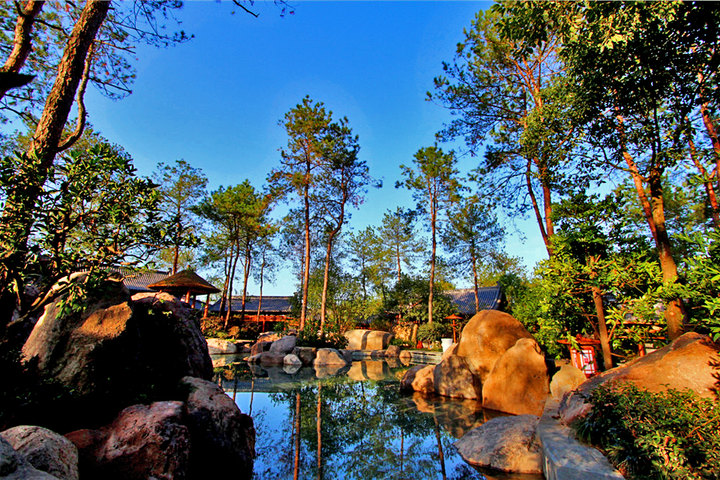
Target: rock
x=219 y=431
x=284 y=345
x=347 y=355
x=293 y=360
x=143 y=442
x=221 y=346
x=291 y=369
x=453 y=378
x=260 y=347
x=505 y=443
x=271 y=359
x=424 y=380
x=568 y=378
x=392 y=351
x=269 y=337
x=690 y=361
x=518 y=383
x=359 y=339
x=329 y=356
x=405 y=357
x=117 y=348
x=486 y=337
x=14 y=466
x=409 y=377
x=46 y=450
x=306 y=354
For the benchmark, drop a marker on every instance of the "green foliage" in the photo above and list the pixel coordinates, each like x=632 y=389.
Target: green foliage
x=408 y=301
x=433 y=332
x=672 y=434
x=309 y=337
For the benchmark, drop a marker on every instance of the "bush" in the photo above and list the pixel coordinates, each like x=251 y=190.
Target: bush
x=673 y=434
x=433 y=332
x=311 y=338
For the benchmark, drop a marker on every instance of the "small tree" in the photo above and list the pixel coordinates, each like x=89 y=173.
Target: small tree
x=434 y=185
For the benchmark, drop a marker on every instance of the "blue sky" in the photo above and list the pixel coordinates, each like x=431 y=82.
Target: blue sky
x=216 y=101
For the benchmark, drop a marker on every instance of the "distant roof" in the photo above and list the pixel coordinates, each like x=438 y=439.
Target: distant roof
x=138 y=282
x=489 y=298
x=270 y=304
x=184 y=281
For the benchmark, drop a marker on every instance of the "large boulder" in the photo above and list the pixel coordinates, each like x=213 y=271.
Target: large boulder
x=14 y=466
x=419 y=379
x=518 y=383
x=221 y=346
x=305 y=354
x=360 y=339
x=143 y=442
x=116 y=348
x=329 y=356
x=260 y=347
x=453 y=378
x=507 y=444
x=219 y=431
x=689 y=362
x=567 y=379
x=284 y=345
x=486 y=337
x=45 y=450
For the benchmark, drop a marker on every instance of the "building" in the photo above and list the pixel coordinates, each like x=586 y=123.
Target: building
x=273 y=309
x=489 y=298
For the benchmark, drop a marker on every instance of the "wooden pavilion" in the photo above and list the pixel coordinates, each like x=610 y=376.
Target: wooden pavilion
x=186 y=285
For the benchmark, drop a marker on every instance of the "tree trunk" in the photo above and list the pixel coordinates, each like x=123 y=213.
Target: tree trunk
x=22 y=41
x=326 y=279
x=246 y=276
x=602 y=328
x=262 y=282
x=397 y=255
x=433 y=224
x=306 y=261
x=475 y=280
x=712 y=133
x=22 y=196
x=536 y=208
x=674 y=311
x=234 y=260
x=707 y=182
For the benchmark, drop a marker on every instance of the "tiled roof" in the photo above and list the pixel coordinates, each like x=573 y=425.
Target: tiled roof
x=270 y=304
x=488 y=297
x=138 y=282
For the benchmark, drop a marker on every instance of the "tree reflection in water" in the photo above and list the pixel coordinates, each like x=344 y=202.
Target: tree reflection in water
x=342 y=427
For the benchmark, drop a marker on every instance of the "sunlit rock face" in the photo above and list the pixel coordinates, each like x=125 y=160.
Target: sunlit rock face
x=689 y=362
x=507 y=444
x=118 y=347
x=359 y=339
x=518 y=383
x=485 y=339
x=452 y=378
x=568 y=378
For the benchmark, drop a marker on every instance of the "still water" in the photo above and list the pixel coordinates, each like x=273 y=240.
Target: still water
x=351 y=423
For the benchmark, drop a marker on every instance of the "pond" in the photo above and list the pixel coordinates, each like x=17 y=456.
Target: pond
x=351 y=423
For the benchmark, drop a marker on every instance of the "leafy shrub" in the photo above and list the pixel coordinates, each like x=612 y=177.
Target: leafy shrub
x=311 y=338
x=433 y=332
x=672 y=434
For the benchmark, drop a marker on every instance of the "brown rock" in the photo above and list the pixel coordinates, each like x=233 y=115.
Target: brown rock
x=45 y=450
x=504 y=443
x=117 y=348
x=568 y=378
x=486 y=337
x=270 y=359
x=259 y=347
x=453 y=378
x=405 y=357
x=143 y=442
x=329 y=356
x=424 y=380
x=393 y=351
x=14 y=466
x=328 y=370
x=221 y=346
x=369 y=370
x=269 y=337
x=306 y=354
x=409 y=377
x=518 y=383
x=688 y=362
x=359 y=339
x=219 y=431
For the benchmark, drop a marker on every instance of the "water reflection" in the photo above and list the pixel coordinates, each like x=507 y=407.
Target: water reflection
x=350 y=423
